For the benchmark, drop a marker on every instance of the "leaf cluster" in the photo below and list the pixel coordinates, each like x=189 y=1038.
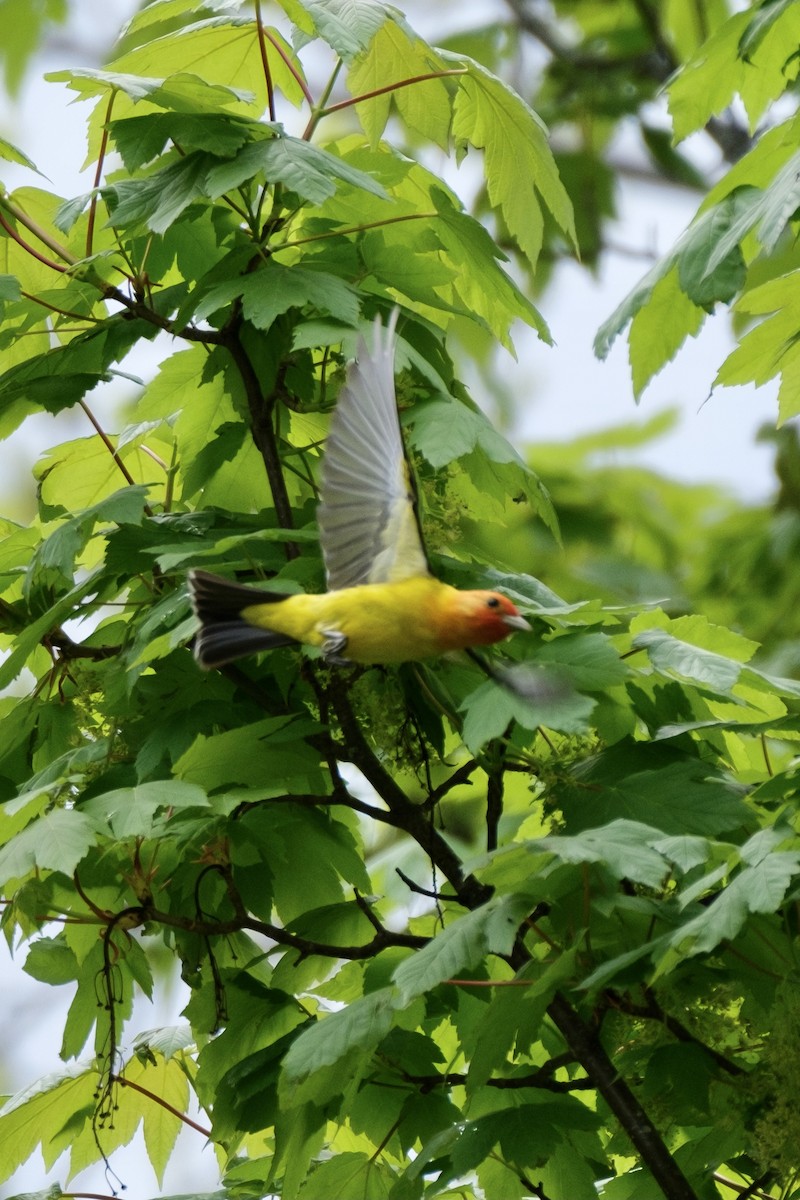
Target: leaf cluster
x=440 y=934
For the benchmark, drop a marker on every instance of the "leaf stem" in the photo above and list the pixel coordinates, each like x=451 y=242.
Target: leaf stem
x=318 y=237
x=64 y=312
x=101 y=158
x=137 y=1087
x=290 y=66
x=38 y=232
x=391 y=87
x=262 y=49
x=16 y=237
x=318 y=110
x=109 y=445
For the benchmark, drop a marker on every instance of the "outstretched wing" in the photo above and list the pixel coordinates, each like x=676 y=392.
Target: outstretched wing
x=367 y=515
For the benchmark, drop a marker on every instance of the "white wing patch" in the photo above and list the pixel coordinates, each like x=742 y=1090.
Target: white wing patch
x=368 y=525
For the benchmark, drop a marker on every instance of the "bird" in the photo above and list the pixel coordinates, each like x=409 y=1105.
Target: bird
x=382 y=605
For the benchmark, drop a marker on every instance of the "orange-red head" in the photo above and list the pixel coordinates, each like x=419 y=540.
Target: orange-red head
x=481 y=618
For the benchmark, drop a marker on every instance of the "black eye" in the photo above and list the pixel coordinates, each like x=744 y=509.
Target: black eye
x=493 y=602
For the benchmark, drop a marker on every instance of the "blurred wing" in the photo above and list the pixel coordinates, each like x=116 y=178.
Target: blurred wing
x=367 y=515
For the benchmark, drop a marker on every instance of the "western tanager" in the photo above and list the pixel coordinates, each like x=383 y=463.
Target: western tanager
x=382 y=604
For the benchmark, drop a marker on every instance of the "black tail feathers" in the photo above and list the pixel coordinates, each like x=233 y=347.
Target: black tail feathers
x=223 y=634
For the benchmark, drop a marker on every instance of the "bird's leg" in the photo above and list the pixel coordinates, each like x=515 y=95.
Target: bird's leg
x=333 y=645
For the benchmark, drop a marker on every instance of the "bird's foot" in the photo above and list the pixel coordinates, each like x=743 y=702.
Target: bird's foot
x=333 y=645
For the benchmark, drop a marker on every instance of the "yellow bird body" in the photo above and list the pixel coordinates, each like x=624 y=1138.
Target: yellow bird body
x=382 y=603
x=385 y=622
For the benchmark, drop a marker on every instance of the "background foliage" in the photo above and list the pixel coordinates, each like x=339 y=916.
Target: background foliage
x=436 y=941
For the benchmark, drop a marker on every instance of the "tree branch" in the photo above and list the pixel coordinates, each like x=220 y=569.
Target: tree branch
x=261 y=410
x=653 y=1011
x=732 y=137
x=410 y=817
x=382 y=940
x=584 y=1043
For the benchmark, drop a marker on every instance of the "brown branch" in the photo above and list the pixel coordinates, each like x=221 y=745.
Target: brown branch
x=290 y=66
x=281 y=936
x=62 y=312
x=261 y=410
x=422 y=891
x=410 y=817
x=459 y=777
x=653 y=1011
x=68 y=649
x=88 y=1196
x=538 y=1079
x=585 y=1045
x=38 y=232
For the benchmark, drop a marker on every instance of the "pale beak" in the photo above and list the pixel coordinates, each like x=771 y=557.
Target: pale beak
x=517 y=622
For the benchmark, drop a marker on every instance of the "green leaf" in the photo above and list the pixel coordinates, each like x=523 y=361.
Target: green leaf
x=308 y=170
x=710 y=265
x=396 y=55
x=272 y=749
x=9 y=287
x=61 y=377
x=11 y=153
x=757 y=889
x=765 y=16
x=157 y=201
x=590 y=660
x=486 y=291
x=630 y=306
x=358 y=1027
x=704 y=274
x=141 y=139
x=167 y=1079
x=268 y=293
x=707 y=83
x=492 y=928
x=660 y=328
x=34 y=1115
x=489 y=115
x=181 y=92
x=444 y=430
x=51 y=961
x=129 y=812
x=351 y=1173
x=515 y=1015
x=348 y=26
x=167 y=1041
x=654 y=785
x=533 y=696
x=625 y=848
x=224 y=52
x=55 y=842
x=686 y=661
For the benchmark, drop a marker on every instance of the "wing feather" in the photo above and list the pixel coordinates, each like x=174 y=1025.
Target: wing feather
x=367 y=514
